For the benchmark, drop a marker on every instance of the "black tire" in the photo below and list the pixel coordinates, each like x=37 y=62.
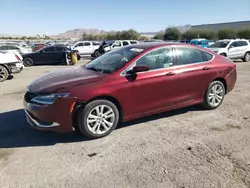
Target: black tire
x=28 y=62
x=96 y=53
x=83 y=113
x=246 y=57
x=223 y=54
x=207 y=103
x=4 y=73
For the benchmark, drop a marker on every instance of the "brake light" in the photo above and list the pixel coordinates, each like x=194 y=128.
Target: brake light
x=18 y=58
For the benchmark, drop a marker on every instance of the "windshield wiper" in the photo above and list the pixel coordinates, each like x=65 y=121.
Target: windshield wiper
x=94 y=69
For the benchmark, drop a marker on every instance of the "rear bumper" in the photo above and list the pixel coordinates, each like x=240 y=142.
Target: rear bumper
x=55 y=117
x=231 y=80
x=15 y=67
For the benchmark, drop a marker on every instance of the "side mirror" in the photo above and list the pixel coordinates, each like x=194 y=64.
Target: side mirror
x=140 y=68
x=230 y=47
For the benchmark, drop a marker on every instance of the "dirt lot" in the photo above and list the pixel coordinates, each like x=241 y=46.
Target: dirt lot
x=188 y=148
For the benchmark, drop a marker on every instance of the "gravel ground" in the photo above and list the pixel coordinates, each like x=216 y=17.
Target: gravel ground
x=188 y=148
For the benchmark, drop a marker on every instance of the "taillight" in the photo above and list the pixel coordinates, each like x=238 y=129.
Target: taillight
x=18 y=58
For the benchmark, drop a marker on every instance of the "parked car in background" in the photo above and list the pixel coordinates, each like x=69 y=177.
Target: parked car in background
x=128 y=83
x=14 y=49
x=201 y=42
x=106 y=46
x=85 y=47
x=48 y=55
x=67 y=48
x=232 y=48
x=9 y=63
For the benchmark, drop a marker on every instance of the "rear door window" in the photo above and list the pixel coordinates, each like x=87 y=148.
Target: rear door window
x=187 y=56
x=79 y=44
x=205 y=42
x=234 y=44
x=125 y=43
x=87 y=44
x=3 y=48
x=242 y=43
x=133 y=42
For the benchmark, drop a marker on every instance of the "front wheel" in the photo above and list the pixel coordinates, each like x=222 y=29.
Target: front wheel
x=97 y=119
x=214 y=95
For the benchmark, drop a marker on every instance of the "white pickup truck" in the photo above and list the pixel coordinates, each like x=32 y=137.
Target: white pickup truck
x=85 y=47
x=9 y=63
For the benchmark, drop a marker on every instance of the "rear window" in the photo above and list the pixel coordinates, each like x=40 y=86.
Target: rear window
x=206 y=56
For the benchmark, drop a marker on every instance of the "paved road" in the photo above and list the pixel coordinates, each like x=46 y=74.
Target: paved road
x=190 y=148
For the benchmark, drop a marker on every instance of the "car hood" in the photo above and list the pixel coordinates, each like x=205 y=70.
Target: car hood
x=62 y=79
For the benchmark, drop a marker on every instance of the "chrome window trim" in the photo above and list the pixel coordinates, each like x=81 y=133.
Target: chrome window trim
x=123 y=73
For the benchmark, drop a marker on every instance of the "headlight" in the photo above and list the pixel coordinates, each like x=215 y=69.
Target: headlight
x=49 y=99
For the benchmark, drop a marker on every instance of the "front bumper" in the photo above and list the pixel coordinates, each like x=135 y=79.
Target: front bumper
x=55 y=117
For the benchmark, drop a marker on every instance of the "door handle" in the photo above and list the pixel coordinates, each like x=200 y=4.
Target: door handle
x=170 y=74
x=206 y=68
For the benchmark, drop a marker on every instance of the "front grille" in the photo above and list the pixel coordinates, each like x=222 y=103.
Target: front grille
x=29 y=96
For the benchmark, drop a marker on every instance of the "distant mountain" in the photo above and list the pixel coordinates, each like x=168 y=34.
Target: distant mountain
x=77 y=33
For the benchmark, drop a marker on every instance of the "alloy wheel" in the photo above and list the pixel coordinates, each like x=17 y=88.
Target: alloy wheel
x=216 y=95
x=3 y=73
x=100 y=119
x=28 y=62
x=247 y=57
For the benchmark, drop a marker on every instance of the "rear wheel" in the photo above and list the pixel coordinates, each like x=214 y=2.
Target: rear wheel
x=214 y=95
x=4 y=74
x=246 y=57
x=97 y=119
x=28 y=62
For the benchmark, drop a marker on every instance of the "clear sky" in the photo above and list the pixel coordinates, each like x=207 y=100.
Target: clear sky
x=29 y=17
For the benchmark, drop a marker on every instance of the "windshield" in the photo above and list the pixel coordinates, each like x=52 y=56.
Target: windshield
x=113 y=60
x=220 y=44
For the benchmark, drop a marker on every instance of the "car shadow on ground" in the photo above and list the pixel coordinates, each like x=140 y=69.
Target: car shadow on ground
x=16 y=132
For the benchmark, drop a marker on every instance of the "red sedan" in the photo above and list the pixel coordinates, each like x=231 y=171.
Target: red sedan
x=128 y=83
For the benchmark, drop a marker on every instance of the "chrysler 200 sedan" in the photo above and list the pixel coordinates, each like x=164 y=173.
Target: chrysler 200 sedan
x=128 y=83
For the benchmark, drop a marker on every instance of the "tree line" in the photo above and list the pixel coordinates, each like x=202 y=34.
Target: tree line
x=130 y=34
x=173 y=33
